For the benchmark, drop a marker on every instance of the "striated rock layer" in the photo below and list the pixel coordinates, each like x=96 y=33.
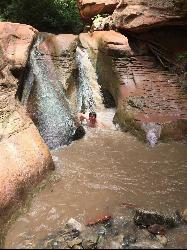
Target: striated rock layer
x=136 y=15
x=25 y=159
x=147 y=68
x=147 y=95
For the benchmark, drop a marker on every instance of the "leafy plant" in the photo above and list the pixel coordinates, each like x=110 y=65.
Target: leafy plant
x=182 y=56
x=99 y=16
x=57 y=16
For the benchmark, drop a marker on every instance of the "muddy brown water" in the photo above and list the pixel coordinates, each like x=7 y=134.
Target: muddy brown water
x=100 y=172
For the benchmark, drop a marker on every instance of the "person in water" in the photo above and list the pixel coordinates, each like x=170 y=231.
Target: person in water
x=92 y=120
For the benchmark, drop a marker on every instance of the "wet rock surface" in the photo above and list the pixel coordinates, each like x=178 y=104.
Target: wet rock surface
x=119 y=232
x=151 y=70
x=184 y=215
x=151 y=101
x=146 y=218
x=25 y=159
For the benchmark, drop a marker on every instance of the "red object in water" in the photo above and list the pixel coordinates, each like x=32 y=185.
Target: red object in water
x=99 y=220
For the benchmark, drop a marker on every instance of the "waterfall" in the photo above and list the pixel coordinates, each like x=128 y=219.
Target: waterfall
x=30 y=78
x=89 y=96
x=153 y=131
x=45 y=99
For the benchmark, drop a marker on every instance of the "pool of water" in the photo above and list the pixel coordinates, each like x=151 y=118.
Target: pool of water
x=101 y=172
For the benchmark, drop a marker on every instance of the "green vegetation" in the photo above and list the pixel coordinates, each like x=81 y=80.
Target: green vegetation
x=99 y=16
x=182 y=4
x=181 y=56
x=56 y=16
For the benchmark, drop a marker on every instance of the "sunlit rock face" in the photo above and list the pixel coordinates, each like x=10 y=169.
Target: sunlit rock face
x=138 y=15
x=15 y=43
x=89 y=8
x=24 y=156
x=25 y=160
x=150 y=101
x=135 y=15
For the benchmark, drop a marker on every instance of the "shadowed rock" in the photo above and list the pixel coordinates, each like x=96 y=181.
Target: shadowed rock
x=79 y=133
x=146 y=218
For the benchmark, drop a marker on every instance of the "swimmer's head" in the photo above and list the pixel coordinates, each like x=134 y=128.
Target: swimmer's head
x=92 y=117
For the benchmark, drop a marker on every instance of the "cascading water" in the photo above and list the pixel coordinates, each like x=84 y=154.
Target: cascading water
x=89 y=96
x=153 y=131
x=45 y=99
x=125 y=172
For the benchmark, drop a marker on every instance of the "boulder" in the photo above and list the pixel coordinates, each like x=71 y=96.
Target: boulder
x=136 y=15
x=89 y=8
x=154 y=220
x=15 y=42
x=58 y=45
x=25 y=159
x=140 y=15
x=157 y=229
x=184 y=215
x=107 y=42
